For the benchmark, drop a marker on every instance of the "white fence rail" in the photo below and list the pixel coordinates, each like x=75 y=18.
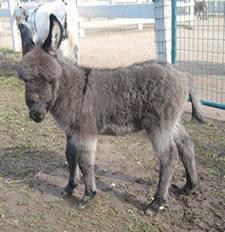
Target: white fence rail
x=142 y=12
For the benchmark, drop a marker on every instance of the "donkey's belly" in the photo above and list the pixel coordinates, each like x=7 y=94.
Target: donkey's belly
x=115 y=129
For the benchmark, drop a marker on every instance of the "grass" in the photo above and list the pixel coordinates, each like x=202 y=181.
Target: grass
x=8 y=51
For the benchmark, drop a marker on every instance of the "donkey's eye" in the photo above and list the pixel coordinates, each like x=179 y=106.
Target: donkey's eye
x=30 y=102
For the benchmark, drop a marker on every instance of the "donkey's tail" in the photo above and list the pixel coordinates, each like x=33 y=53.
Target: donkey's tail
x=197 y=112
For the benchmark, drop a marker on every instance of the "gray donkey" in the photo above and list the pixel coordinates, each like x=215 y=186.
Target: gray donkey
x=87 y=101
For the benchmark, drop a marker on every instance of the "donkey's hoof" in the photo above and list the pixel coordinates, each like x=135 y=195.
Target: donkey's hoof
x=88 y=197
x=69 y=189
x=154 y=207
x=187 y=189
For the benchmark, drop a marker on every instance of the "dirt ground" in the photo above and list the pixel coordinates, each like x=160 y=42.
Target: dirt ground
x=33 y=169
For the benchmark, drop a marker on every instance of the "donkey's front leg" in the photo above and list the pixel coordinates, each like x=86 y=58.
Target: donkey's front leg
x=72 y=159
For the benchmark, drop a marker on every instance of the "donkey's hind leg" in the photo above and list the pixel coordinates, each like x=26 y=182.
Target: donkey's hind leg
x=187 y=155
x=72 y=159
x=86 y=160
x=166 y=150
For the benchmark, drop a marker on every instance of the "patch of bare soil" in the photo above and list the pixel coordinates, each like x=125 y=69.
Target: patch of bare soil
x=33 y=173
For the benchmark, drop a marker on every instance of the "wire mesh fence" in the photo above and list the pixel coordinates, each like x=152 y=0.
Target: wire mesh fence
x=201 y=48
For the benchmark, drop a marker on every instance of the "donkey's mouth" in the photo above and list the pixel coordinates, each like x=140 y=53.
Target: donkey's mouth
x=37 y=117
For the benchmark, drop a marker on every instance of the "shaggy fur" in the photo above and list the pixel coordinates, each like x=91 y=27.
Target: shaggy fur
x=86 y=102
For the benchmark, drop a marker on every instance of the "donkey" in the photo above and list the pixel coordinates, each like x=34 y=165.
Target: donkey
x=87 y=101
x=37 y=20
x=201 y=9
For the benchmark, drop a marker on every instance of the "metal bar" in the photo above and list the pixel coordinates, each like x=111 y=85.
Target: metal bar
x=174 y=31
x=118 y=11
x=4 y=12
x=212 y=104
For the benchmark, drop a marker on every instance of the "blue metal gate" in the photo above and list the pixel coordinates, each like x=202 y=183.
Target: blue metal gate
x=200 y=47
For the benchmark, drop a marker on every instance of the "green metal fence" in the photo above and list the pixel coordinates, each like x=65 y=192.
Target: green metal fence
x=200 y=46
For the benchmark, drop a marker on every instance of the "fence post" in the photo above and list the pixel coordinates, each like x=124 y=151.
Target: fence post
x=174 y=31
x=13 y=26
x=73 y=18
x=191 y=13
x=162 y=12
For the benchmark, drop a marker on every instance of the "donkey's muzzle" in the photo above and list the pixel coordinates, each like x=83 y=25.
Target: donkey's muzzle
x=36 y=116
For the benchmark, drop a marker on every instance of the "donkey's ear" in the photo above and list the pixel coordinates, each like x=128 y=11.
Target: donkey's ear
x=26 y=37
x=54 y=38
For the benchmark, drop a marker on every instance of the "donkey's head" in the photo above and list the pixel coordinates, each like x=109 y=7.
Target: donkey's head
x=40 y=70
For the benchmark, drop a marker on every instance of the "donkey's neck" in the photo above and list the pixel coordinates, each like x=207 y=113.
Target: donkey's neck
x=68 y=103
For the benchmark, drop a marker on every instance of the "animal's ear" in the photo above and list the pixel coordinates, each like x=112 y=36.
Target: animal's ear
x=26 y=37
x=54 y=38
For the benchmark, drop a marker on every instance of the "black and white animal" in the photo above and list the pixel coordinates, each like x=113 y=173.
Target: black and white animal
x=86 y=102
x=201 y=9
x=37 y=20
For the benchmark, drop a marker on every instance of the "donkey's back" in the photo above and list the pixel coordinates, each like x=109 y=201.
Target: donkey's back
x=136 y=97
